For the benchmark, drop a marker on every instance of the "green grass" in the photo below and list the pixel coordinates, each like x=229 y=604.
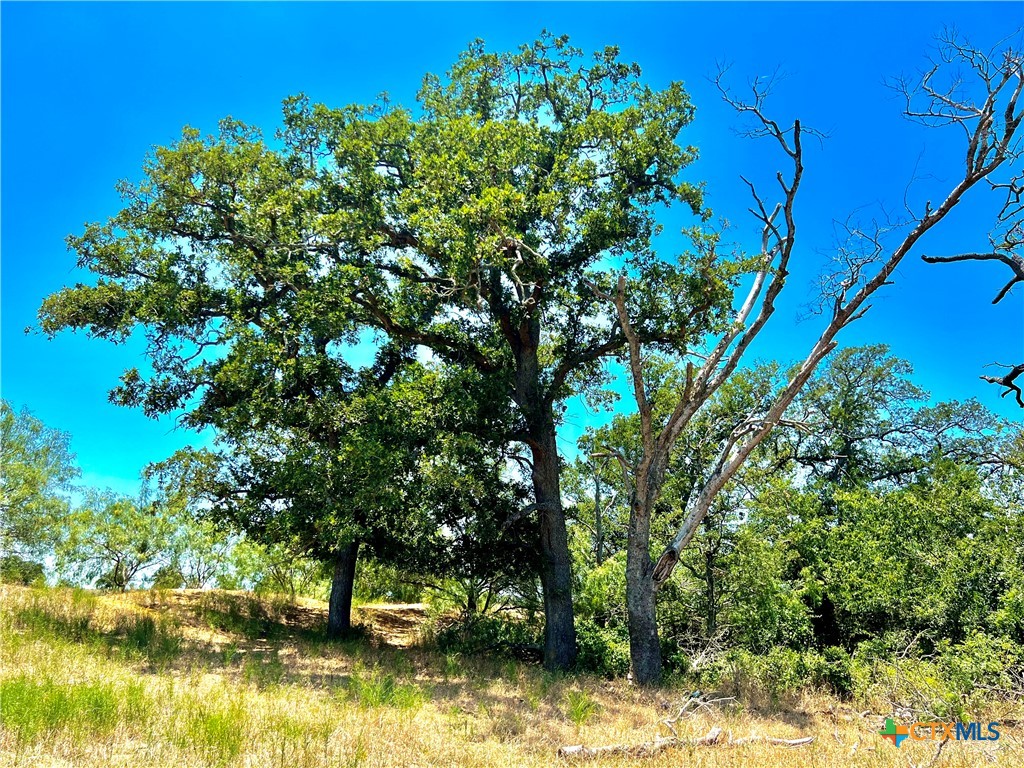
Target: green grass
x=144 y=636
x=374 y=688
x=36 y=708
x=73 y=617
x=264 y=670
x=248 y=616
x=214 y=729
x=580 y=707
x=66 y=615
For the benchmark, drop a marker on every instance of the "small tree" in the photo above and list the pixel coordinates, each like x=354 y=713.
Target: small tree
x=112 y=541
x=37 y=469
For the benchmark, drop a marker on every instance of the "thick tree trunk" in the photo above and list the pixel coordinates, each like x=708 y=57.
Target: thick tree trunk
x=339 y=611
x=644 y=648
x=556 y=564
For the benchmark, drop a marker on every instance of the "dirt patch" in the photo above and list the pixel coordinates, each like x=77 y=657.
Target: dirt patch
x=395 y=624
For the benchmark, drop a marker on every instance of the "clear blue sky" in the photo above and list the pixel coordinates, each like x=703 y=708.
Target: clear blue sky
x=88 y=89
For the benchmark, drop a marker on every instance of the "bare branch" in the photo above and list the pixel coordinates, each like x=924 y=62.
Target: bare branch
x=992 y=136
x=1008 y=381
x=1015 y=262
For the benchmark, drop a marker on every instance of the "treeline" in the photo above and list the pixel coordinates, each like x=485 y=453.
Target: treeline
x=383 y=311
x=873 y=526
x=55 y=530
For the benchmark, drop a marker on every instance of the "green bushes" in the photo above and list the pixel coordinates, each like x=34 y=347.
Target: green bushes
x=602 y=650
x=951 y=682
x=779 y=673
x=490 y=633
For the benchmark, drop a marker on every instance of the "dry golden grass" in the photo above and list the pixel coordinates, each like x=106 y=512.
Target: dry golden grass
x=215 y=679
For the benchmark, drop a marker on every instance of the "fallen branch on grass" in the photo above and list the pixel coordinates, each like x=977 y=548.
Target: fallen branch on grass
x=650 y=748
x=646 y=749
x=802 y=741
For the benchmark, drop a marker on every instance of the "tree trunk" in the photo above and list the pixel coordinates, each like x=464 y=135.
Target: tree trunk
x=709 y=578
x=598 y=523
x=644 y=648
x=556 y=564
x=339 y=612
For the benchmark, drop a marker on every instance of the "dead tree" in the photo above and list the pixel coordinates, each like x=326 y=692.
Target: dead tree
x=991 y=125
x=1005 y=248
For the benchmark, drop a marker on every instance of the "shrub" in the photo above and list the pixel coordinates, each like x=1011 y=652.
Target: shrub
x=490 y=633
x=780 y=672
x=953 y=682
x=602 y=650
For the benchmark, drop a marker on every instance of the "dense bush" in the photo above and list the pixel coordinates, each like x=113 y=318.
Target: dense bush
x=602 y=650
x=780 y=672
x=951 y=682
x=492 y=634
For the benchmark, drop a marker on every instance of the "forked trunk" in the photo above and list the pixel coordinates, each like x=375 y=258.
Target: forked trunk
x=339 y=611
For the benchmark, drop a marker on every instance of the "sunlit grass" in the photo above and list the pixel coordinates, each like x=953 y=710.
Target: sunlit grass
x=580 y=706
x=97 y=680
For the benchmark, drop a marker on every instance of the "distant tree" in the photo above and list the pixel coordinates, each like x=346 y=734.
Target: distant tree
x=274 y=569
x=864 y=423
x=18 y=570
x=111 y=541
x=37 y=470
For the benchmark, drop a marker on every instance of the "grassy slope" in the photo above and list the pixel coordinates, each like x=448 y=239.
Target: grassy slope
x=222 y=679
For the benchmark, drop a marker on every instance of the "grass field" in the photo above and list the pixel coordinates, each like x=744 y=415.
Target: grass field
x=225 y=679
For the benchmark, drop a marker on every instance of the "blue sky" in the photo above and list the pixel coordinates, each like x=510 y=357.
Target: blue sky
x=88 y=89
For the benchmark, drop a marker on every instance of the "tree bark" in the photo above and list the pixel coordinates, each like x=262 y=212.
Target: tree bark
x=598 y=523
x=709 y=579
x=644 y=647
x=556 y=564
x=339 y=612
